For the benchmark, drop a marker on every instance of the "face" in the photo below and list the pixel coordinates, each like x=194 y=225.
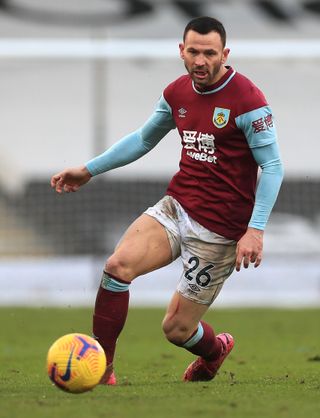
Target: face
x=204 y=57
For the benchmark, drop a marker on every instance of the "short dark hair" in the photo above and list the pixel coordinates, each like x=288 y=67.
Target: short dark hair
x=204 y=25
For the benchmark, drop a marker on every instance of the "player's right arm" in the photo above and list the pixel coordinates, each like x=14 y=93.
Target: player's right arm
x=70 y=179
x=126 y=150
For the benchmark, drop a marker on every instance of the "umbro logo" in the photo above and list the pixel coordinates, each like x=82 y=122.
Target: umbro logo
x=194 y=287
x=182 y=112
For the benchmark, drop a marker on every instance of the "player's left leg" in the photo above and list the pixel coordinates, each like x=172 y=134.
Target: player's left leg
x=183 y=327
x=208 y=261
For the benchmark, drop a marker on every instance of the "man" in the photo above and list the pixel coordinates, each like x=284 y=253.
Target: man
x=213 y=215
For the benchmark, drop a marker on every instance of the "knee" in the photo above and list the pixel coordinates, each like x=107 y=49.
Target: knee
x=119 y=268
x=176 y=331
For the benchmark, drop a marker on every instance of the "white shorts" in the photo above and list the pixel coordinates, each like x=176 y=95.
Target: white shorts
x=208 y=258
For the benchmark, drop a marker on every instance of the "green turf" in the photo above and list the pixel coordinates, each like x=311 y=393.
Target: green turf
x=274 y=370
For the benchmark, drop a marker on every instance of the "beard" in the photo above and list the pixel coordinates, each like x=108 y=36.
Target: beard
x=202 y=76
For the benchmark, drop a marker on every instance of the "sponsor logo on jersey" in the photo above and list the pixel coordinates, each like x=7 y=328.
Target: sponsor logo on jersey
x=262 y=124
x=182 y=112
x=199 y=146
x=220 y=117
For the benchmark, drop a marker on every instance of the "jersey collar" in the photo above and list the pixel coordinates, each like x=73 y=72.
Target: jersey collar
x=219 y=85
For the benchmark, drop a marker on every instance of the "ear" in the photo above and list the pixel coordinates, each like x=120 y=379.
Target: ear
x=181 y=47
x=225 y=55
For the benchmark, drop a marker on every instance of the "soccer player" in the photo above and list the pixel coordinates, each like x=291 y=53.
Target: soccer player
x=214 y=212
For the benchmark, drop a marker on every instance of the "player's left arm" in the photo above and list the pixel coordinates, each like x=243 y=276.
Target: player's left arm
x=265 y=150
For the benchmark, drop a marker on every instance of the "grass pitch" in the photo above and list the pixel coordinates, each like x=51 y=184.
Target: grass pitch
x=273 y=371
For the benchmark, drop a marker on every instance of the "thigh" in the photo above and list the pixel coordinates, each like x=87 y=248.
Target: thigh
x=144 y=247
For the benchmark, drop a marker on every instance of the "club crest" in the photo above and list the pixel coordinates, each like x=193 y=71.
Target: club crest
x=220 y=117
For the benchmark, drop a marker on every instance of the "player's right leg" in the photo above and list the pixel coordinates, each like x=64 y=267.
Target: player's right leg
x=144 y=247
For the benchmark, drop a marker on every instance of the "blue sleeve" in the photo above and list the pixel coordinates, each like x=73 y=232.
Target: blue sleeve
x=138 y=143
x=259 y=129
x=268 y=158
x=258 y=126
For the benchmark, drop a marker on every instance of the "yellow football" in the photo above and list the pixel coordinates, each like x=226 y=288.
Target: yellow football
x=76 y=363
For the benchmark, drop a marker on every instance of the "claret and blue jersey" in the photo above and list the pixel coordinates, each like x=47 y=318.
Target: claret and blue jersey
x=226 y=131
x=219 y=127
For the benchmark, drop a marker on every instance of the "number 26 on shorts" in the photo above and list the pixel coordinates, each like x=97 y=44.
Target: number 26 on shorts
x=202 y=277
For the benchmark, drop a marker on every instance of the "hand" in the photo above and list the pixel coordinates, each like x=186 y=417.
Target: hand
x=70 y=179
x=249 y=249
